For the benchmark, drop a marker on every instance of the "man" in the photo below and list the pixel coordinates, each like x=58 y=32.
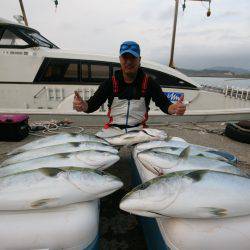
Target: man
x=129 y=93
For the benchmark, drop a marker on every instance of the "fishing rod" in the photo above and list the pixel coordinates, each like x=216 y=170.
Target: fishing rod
x=171 y=61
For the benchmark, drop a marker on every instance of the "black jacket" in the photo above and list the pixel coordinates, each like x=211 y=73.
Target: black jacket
x=129 y=91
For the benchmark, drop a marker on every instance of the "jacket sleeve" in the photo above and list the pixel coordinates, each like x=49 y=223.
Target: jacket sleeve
x=100 y=96
x=158 y=96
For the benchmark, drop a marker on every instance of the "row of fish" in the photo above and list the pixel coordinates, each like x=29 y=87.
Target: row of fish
x=57 y=170
x=64 y=168
x=187 y=181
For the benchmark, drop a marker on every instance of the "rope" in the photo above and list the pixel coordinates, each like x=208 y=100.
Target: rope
x=52 y=127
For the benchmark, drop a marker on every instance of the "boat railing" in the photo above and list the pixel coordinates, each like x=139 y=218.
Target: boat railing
x=40 y=92
x=86 y=93
x=238 y=93
x=55 y=94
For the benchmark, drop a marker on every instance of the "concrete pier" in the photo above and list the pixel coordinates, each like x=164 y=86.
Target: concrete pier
x=120 y=230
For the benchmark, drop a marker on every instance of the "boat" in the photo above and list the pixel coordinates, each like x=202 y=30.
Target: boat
x=39 y=78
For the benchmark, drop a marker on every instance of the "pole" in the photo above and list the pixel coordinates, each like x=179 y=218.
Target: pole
x=171 y=61
x=23 y=12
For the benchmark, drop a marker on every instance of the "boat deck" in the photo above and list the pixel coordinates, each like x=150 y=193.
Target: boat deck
x=120 y=230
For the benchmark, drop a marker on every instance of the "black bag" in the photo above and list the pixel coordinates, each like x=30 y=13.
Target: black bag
x=13 y=127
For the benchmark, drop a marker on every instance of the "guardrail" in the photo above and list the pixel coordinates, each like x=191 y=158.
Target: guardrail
x=238 y=93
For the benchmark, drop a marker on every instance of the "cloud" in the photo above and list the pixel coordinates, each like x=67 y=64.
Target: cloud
x=97 y=26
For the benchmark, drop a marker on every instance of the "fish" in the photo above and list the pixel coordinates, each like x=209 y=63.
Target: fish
x=57 y=139
x=83 y=159
x=159 y=162
x=134 y=137
x=191 y=194
x=192 y=152
x=168 y=142
x=54 y=187
x=57 y=149
x=175 y=146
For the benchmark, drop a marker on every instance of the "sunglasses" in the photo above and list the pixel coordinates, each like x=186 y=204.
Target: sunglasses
x=133 y=47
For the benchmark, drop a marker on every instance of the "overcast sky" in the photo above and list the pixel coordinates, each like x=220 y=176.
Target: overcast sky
x=98 y=26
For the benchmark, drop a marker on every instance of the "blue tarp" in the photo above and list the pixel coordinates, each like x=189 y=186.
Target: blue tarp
x=149 y=226
x=94 y=245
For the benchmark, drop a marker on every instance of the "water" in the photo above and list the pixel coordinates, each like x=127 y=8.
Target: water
x=223 y=82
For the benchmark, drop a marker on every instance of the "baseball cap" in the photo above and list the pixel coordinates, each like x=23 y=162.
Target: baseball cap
x=130 y=47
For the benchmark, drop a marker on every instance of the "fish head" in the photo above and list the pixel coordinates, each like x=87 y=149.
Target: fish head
x=108 y=159
x=150 y=198
x=93 y=181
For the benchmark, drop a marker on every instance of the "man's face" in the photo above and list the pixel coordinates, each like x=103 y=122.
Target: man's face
x=129 y=63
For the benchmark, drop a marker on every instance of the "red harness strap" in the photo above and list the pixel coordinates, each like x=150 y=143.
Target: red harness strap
x=115 y=91
x=107 y=125
x=144 y=85
x=144 y=88
x=115 y=85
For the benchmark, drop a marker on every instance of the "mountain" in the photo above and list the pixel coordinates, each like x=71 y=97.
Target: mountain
x=218 y=72
x=229 y=69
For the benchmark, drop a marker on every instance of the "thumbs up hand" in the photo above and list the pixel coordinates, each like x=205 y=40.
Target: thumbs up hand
x=79 y=104
x=178 y=108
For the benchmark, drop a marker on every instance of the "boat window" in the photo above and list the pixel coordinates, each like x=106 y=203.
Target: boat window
x=115 y=68
x=8 y=38
x=37 y=38
x=99 y=71
x=168 y=81
x=71 y=71
x=85 y=71
x=1 y=33
x=61 y=71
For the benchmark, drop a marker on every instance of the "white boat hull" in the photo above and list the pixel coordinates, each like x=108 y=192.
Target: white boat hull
x=57 y=100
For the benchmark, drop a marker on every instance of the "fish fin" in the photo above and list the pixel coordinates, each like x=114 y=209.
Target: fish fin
x=147 y=133
x=158 y=214
x=196 y=175
x=73 y=134
x=185 y=153
x=51 y=172
x=169 y=138
x=64 y=155
x=15 y=152
x=200 y=155
x=42 y=203
x=75 y=144
x=218 y=212
x=174 y=148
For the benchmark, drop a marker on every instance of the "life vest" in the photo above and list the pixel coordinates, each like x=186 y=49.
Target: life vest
x=128 y=113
